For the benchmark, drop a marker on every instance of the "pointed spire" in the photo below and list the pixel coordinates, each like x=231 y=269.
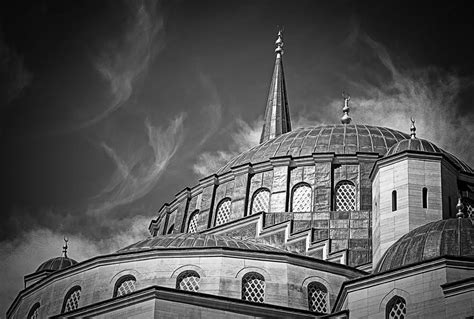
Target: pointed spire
x=65 y=246
x=460 y=208
x=413 y=128
x=346 y=119
x=277 y=115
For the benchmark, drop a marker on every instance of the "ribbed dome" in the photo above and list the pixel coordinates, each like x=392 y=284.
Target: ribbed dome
x=450 y=237
x=192 y=240
x=336 y=138
x=421 y=145
x=57 y=263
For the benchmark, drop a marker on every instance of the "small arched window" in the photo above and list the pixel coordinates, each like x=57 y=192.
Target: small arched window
x=318 y=297
x=253 y=287
x=301 y=198
x=188 y=280
x=260 y=201
x=223 y=212
x=34 y=311
x=396 y=308
x=425 y=197
x=125 y=285
x=394 y=201
x=170 y=230
x=71 y=301
x=345 y=196
x=193 y=222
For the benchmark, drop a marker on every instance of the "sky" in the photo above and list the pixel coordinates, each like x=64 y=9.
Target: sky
x=110 y=108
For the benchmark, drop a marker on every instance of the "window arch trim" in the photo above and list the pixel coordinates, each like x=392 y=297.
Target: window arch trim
x=223 y=219
x=192 y=221
x=253 y=287
x=120 y=281
x=294 y=189
x=33 y=309
x=321 y=294
x=396 y=302
x=68 y=295
x=255 y=194
x=191 y=284
x=351 y=204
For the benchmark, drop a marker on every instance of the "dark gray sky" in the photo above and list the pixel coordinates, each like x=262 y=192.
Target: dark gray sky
x=109 y=108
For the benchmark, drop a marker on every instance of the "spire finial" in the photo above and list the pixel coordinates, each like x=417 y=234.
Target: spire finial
x=346 y=119
x=413 y=128
x=279 y=43
x=65 y=246
x=460 y=208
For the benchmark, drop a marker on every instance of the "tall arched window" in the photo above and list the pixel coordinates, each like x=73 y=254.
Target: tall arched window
x=188 y=280
x=301 y=198
x=318 y=297
x=193 y=222
x=260 y=201
x=345 y=196
x=71 y=301
x=394 y=201
x=125 y=285
x=253 y=287
x=425 y=197
x=396 y=308
x=34 y=311
x=223 y=212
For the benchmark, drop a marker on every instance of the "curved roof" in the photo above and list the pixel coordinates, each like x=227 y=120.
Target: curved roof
x=56 y=263
x=421 y=145
x=453 y=237
x=194 y=240
x=337 y=138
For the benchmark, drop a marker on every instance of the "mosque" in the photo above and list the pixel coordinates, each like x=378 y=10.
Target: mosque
x=333 y=221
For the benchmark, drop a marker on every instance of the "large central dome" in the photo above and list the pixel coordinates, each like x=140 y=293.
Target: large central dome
x=335 y=138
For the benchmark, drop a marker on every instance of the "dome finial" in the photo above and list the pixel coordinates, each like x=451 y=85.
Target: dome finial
x=346 y=119
x=412 y=128
x=460 y=208
x=65 y=246
x=279 y=42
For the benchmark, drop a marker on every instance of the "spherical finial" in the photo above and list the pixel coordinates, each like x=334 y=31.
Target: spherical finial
x=346 y=119
x=460 y=208
x=65 y=246
x=279 y=42
x=413 y=128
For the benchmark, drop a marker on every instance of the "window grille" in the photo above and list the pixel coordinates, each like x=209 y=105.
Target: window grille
x=394 y=201
x=188 y=280
x=317 y=297
x=34 y=312
x=193 y=222
x=260 y=201
x=71 y=302
x=301 y=199
x=396 y=308
x=125 y=286
x=345 y=196
x=253 y=287
x=223 y=212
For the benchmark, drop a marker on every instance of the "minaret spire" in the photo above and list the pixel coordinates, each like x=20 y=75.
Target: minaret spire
x=413 y=128
x=346 y=119
x=277 y=115
x=65 y=246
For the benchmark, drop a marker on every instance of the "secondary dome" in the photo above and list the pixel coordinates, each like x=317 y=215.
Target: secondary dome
x=56 y=263
x=421 y=145
x=335 y=138
x=194 y=240
x=450 y=237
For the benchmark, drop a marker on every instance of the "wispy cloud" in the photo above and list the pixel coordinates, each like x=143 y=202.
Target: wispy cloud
x=127 y=59
x=243 y=137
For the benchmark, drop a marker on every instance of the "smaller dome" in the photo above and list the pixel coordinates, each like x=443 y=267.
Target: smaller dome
x=421 y=145
x=194 y=240
x=56 y=263
x=450 y=237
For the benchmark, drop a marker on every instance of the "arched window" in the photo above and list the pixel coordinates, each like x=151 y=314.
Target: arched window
x=301 y=198
x=253 y=287
x=425 y=197
x=188 y=280
x=260 y=201
x=125 y=285
x=345 y=196
x=34 y=311
x=193 y=222
x=170 y=230
x=394 y=201
x=71 y=301
x=396 y=308
x=223 y=211
x=318 y=297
